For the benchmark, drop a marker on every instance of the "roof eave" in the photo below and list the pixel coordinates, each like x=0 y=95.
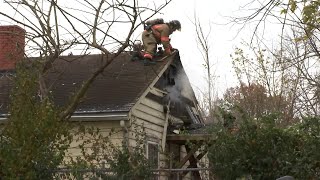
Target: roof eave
x=88 y=117
x=100 y=117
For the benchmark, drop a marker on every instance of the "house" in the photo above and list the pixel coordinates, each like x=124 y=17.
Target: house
x=158 y=98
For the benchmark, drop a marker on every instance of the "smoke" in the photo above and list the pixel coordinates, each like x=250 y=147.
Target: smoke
x=182 y=88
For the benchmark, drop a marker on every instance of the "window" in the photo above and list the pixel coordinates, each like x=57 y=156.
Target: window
x=153 y=154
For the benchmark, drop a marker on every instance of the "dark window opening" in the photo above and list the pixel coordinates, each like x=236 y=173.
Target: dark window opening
x=153 y=155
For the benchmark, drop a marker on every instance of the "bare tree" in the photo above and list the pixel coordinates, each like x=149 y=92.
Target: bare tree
x=290 y=70
x=38 y=134
x=203 y=43
x=58 y=27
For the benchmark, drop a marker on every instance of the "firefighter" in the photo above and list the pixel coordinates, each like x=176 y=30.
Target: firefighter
x=158 y=34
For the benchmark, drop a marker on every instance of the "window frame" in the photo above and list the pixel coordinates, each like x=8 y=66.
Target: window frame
x=158 y=152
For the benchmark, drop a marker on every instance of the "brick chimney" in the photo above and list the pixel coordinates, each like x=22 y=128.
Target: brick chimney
x=12 y=42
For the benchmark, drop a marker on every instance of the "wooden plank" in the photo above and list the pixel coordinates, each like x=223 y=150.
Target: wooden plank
x=147 y=117
x=75 y=151
x=152 y=104
x=198 y=158
x=149 y=110
x=193 y=164
x=99 y=124
x=190 y=137
x=103 y=130
x=115 y=133
x=187 y=157
x=116 y=137
x=158 y=92
x=153 y=134
x=149 y=132
x=143 y=121
x=87 y=137
x=150 y=129
x=165 y=127
x=152 y=126
x=148 y=125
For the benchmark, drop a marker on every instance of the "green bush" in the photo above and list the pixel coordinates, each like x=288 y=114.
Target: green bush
x=261 y=150
x=33 y=141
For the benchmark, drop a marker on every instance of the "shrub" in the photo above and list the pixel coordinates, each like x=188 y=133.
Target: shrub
x=262 y=150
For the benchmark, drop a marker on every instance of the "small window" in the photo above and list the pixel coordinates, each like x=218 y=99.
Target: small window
x=153 y=154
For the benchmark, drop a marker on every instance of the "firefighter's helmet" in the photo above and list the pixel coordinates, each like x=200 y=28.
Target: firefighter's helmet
x=175 y=24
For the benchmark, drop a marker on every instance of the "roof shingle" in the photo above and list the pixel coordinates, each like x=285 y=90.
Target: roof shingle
x=116 y=89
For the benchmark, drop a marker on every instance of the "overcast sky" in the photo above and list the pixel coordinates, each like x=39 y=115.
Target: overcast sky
x=224 y=37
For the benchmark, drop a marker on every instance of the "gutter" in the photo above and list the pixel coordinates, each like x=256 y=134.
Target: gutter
x=88 y=117
x=3 y=118
x=100 y=117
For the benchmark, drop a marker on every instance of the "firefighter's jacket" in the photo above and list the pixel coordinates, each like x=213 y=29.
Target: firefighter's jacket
x=158 y=34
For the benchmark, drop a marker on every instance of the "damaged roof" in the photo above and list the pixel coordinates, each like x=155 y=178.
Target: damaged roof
x=115 y=90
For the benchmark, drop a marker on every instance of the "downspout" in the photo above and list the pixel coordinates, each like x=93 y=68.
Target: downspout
x=125 y=129
x=125 y=133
